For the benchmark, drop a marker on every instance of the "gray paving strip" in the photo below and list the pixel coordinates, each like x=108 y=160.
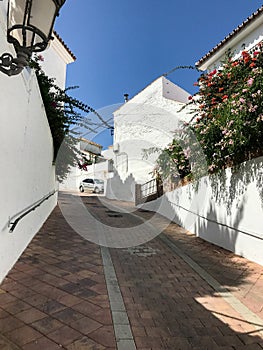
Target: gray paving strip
x=122 y=328
x=236 y=304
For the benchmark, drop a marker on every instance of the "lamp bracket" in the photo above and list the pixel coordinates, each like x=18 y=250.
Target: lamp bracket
x=14 y=65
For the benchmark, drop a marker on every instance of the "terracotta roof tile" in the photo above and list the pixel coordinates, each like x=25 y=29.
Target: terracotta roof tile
x=64 y=44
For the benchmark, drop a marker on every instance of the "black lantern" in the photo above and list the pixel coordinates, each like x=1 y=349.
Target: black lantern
x=29 y=28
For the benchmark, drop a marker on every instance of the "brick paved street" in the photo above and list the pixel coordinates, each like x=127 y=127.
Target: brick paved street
x=63 y=293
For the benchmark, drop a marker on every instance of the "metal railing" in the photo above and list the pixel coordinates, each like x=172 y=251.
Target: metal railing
x=14 y=220
x=148 y=191
x=148 y=188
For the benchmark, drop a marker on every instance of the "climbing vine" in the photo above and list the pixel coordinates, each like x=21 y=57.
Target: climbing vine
x=63 y=113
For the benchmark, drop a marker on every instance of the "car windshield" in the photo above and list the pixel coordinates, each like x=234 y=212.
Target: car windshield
x=101 y=182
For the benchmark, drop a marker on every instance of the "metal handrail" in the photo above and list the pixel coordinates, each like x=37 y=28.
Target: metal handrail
x=150 y=187
x=27 y=210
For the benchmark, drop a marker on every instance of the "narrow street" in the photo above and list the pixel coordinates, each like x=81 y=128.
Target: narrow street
x=173 y=291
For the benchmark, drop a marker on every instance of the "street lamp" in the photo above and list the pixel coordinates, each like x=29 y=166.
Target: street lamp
x=29 y=28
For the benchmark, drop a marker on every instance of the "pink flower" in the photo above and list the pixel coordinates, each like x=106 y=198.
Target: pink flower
x=41 y=58
x=250 y=81
x=253 y=108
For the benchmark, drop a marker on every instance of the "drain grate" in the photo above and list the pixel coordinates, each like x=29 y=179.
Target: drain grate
x=142 y=251
x=116 y=215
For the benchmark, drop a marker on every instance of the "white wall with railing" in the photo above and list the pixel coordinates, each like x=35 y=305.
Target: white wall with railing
x=26 y=159
x=225 y=209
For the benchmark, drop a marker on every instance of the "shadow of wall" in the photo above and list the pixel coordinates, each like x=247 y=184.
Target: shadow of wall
x=225 y=209
x=121 y=190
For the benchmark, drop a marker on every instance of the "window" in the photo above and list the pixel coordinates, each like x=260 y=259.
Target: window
x=88 y=181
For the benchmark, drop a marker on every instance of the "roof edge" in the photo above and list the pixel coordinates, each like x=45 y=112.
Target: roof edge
x=65 y=45
x=230 y=36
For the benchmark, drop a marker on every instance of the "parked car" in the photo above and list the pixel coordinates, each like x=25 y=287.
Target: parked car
x=92 y=185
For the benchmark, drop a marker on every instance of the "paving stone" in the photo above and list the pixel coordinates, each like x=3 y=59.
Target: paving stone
x=105 y=336
x=36 y=299
x=120 y=317
x=17 y=306
x=10 y=323
x=232 y=340
x=6 y=344
x=123 y=332
x=85 y=343
x=65 y=335
x=3 y=313
x=23 y=335
x=22 y=293
x=42 y=343
x=86 y=308
x=47 y=325
x=126 y=345
x=6 y=298
x=30 y=315
x=69 y=300
x=68 y=316
x=51 y=306
x=85 y=325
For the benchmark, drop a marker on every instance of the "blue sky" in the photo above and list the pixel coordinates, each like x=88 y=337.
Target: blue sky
x=122 y=46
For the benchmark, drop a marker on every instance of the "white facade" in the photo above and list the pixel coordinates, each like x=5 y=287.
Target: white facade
x=56 y=58
x=149 y=120
x=26 y=166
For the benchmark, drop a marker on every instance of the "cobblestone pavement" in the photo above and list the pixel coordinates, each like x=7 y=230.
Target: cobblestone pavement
x=68 y=293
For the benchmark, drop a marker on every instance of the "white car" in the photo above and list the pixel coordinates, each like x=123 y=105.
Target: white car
x=92 y=185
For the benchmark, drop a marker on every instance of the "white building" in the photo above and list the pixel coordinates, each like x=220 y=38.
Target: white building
x=26 y=166
x=148 y=120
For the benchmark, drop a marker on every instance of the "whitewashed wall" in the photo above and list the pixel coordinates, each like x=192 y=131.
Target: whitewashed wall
x=121 y=190
x=55 y=63
x=226 y=210
x=148 y=120
x=27 y=173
